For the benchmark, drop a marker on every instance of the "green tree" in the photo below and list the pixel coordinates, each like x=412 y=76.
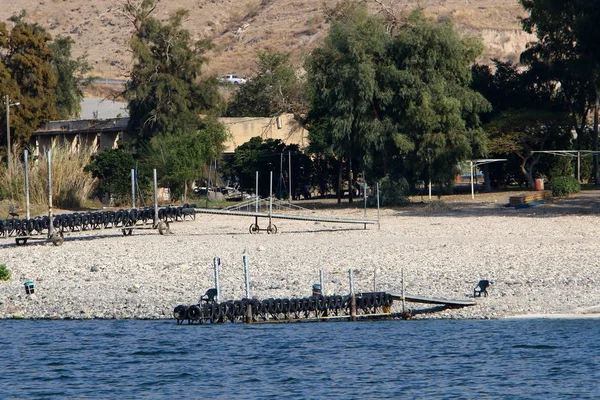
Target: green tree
x=274 y=90
x=567 y=52
x=165 y=94
x=113 y=168
x=399 y=103
x=182 y=159
x=71 y=77
x=266 y=156
x=26 y=57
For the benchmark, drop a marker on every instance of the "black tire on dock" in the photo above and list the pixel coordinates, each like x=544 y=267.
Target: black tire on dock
x=193 y=312
x=180 y=312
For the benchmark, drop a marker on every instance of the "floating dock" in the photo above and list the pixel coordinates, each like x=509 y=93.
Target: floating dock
x=351 y=307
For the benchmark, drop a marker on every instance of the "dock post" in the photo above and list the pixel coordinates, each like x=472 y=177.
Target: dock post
x=352 y=297
x=133 y=188
x=246 y=274
x=155 y=222
x=403 y=296
x=321 y=282
x=217 y=263
x=26 y=159
x=51 y=225
x=249 y=313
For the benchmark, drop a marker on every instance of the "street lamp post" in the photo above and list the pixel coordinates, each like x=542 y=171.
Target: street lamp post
x=8 y=104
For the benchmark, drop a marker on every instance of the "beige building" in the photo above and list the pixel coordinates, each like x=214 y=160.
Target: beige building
x=95 y=135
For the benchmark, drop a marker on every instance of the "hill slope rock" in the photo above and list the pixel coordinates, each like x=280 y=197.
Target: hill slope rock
x=241 y=28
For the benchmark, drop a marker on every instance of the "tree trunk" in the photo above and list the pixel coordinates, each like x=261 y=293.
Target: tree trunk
x=596 y=171
x=340 y=183
x=350 y=182
x=487 y=185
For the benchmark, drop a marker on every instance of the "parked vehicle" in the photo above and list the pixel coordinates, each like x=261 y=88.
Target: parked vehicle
x=234 y=79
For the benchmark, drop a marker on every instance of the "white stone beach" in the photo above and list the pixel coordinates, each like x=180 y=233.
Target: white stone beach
x=543 y=260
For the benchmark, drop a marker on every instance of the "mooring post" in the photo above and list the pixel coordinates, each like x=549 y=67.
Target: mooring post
x=217 y=264
x=155 y=224
x=246 y=273
x=133 y=188
x=247 y=279
x=321 y=280
x=26 y=158
x=403 y=297
x=256 y=194
x=51 y=224
x=352 y=297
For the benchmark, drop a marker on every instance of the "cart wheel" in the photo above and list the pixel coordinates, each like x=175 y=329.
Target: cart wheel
x=254 y=228
x=57 y=239
x=163 y=228
x=272 y=229
x=21 y=242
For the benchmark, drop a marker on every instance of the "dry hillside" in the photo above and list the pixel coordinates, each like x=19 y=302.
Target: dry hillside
x=240 y=28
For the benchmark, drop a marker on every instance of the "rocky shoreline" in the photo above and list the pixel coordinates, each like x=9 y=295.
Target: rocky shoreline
x=542 y=261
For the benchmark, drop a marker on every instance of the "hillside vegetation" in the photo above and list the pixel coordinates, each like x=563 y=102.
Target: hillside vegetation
x=241 y=28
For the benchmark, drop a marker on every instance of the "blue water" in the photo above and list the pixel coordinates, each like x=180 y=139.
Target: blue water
x=524 y=359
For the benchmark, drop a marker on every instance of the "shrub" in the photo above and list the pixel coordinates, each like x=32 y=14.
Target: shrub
x=564 y=185
x=391 y=193
x=4 y=272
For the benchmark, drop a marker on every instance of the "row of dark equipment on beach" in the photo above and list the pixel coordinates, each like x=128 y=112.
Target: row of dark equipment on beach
x=271 y=310
x=75 y=222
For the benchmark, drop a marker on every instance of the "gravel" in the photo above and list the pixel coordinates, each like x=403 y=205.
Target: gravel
x=541 y=262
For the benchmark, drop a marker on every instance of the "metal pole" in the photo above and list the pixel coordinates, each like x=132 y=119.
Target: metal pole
x=378 y=225
x=403 y=297
x=351 y=275
x=133 y=188
x=51 y=224
x=375 y=280
x=352 y=297
x=217 y=264
x=155 y=223
x=578 y=167
x=7 y=100
x=271 y=197
x=321 y=280
x=290 y=176
x=256 y=193
x=26 y=158
x=365 y=195
x=246 y=274
x=472 y=185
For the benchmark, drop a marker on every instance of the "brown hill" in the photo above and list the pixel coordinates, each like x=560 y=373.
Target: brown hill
x=241 y=28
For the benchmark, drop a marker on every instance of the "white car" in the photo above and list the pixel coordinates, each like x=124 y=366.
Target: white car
x=231 y=78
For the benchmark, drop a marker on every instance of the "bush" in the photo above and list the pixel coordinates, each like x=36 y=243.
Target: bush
x=391 y=193
x=564 y=186
x=4 y=273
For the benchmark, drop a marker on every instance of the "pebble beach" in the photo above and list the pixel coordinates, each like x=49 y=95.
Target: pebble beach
x=544 y=261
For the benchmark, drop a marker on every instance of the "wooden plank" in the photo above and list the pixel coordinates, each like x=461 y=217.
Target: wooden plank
x=427 y=300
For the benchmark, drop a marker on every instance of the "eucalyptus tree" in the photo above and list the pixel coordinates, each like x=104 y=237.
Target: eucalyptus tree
x=27 y=67
x=399 y=103
x=274 y=89
x=165 y=93
x=567 y=52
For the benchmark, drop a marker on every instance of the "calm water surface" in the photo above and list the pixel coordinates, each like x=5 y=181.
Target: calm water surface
x=524 y=359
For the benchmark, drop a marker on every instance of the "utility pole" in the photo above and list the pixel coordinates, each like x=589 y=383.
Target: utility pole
x=8 y=150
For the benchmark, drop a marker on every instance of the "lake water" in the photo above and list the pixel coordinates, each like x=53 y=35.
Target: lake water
x=506 y=359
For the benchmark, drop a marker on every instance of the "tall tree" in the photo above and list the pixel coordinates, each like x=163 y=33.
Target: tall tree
x=181 y=159
x=28 y=59
x=71 y=77
x=165 y=94
x=275 y=89
x=567 y=52
x=396 y=103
